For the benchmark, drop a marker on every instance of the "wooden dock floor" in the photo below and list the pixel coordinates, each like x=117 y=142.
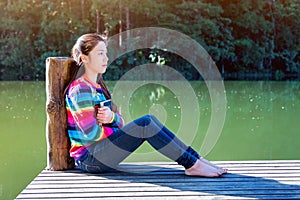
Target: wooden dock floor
x=245 y=180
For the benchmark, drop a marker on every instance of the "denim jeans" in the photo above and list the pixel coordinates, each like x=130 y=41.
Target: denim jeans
x=105 y=155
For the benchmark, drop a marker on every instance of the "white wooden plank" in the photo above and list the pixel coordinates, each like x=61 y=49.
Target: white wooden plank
x=191 y=186
x=264 y=189
x=248 y=193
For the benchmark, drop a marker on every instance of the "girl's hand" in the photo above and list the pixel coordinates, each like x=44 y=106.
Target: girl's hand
x=104 y=115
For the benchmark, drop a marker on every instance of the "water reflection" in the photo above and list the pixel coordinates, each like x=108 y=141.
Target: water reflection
x=19 y=100
x=262 y=122
x=261 y=117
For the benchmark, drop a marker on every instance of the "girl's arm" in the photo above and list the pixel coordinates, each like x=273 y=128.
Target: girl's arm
x=80 y=107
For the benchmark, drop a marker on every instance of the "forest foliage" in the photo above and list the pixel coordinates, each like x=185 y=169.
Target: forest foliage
x=249 y=39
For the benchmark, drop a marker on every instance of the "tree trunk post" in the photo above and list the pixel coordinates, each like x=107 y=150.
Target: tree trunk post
x=59 y=71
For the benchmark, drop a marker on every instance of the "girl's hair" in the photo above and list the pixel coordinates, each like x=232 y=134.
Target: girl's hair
x=83 y=46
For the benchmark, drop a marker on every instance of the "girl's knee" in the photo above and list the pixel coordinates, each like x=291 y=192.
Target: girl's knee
x=152 y=117
x=145 y=120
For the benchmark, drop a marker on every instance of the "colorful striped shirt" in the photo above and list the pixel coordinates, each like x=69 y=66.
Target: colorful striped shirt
x=83 y=128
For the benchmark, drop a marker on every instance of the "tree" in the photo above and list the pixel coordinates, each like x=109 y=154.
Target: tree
x=19 y=25
x=61 y=23
x=241 y=36
x=287 y=38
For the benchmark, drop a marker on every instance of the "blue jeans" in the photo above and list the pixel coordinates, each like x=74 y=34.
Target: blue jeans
x=105 y=155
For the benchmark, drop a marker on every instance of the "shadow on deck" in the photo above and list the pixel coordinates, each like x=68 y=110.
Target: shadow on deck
x=246 y=179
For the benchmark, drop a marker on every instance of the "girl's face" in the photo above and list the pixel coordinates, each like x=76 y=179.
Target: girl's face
x=97 y=59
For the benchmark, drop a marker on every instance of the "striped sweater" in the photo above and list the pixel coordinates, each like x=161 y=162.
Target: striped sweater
x=83 y=128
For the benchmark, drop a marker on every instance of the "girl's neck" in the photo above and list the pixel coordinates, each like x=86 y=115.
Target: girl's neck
x=91 y=79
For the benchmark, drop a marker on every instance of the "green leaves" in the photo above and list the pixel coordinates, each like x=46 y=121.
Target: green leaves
x=262 y=36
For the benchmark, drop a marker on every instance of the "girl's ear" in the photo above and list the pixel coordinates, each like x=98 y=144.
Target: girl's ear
x=84 y=59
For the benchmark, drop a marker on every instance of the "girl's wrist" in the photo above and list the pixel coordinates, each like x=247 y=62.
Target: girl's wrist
x=112 y=117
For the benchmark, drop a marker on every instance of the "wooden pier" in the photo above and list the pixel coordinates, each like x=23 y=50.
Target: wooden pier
x=245 y=180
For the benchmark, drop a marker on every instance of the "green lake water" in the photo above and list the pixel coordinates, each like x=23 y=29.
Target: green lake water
x=262 y=123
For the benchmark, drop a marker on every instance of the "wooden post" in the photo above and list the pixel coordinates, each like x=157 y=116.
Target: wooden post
x=59 y=71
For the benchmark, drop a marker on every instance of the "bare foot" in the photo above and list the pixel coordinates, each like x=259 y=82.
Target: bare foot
x=213 y=165
x=200 y=168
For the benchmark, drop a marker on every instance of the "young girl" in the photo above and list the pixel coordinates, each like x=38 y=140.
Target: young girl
x=99 y=141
